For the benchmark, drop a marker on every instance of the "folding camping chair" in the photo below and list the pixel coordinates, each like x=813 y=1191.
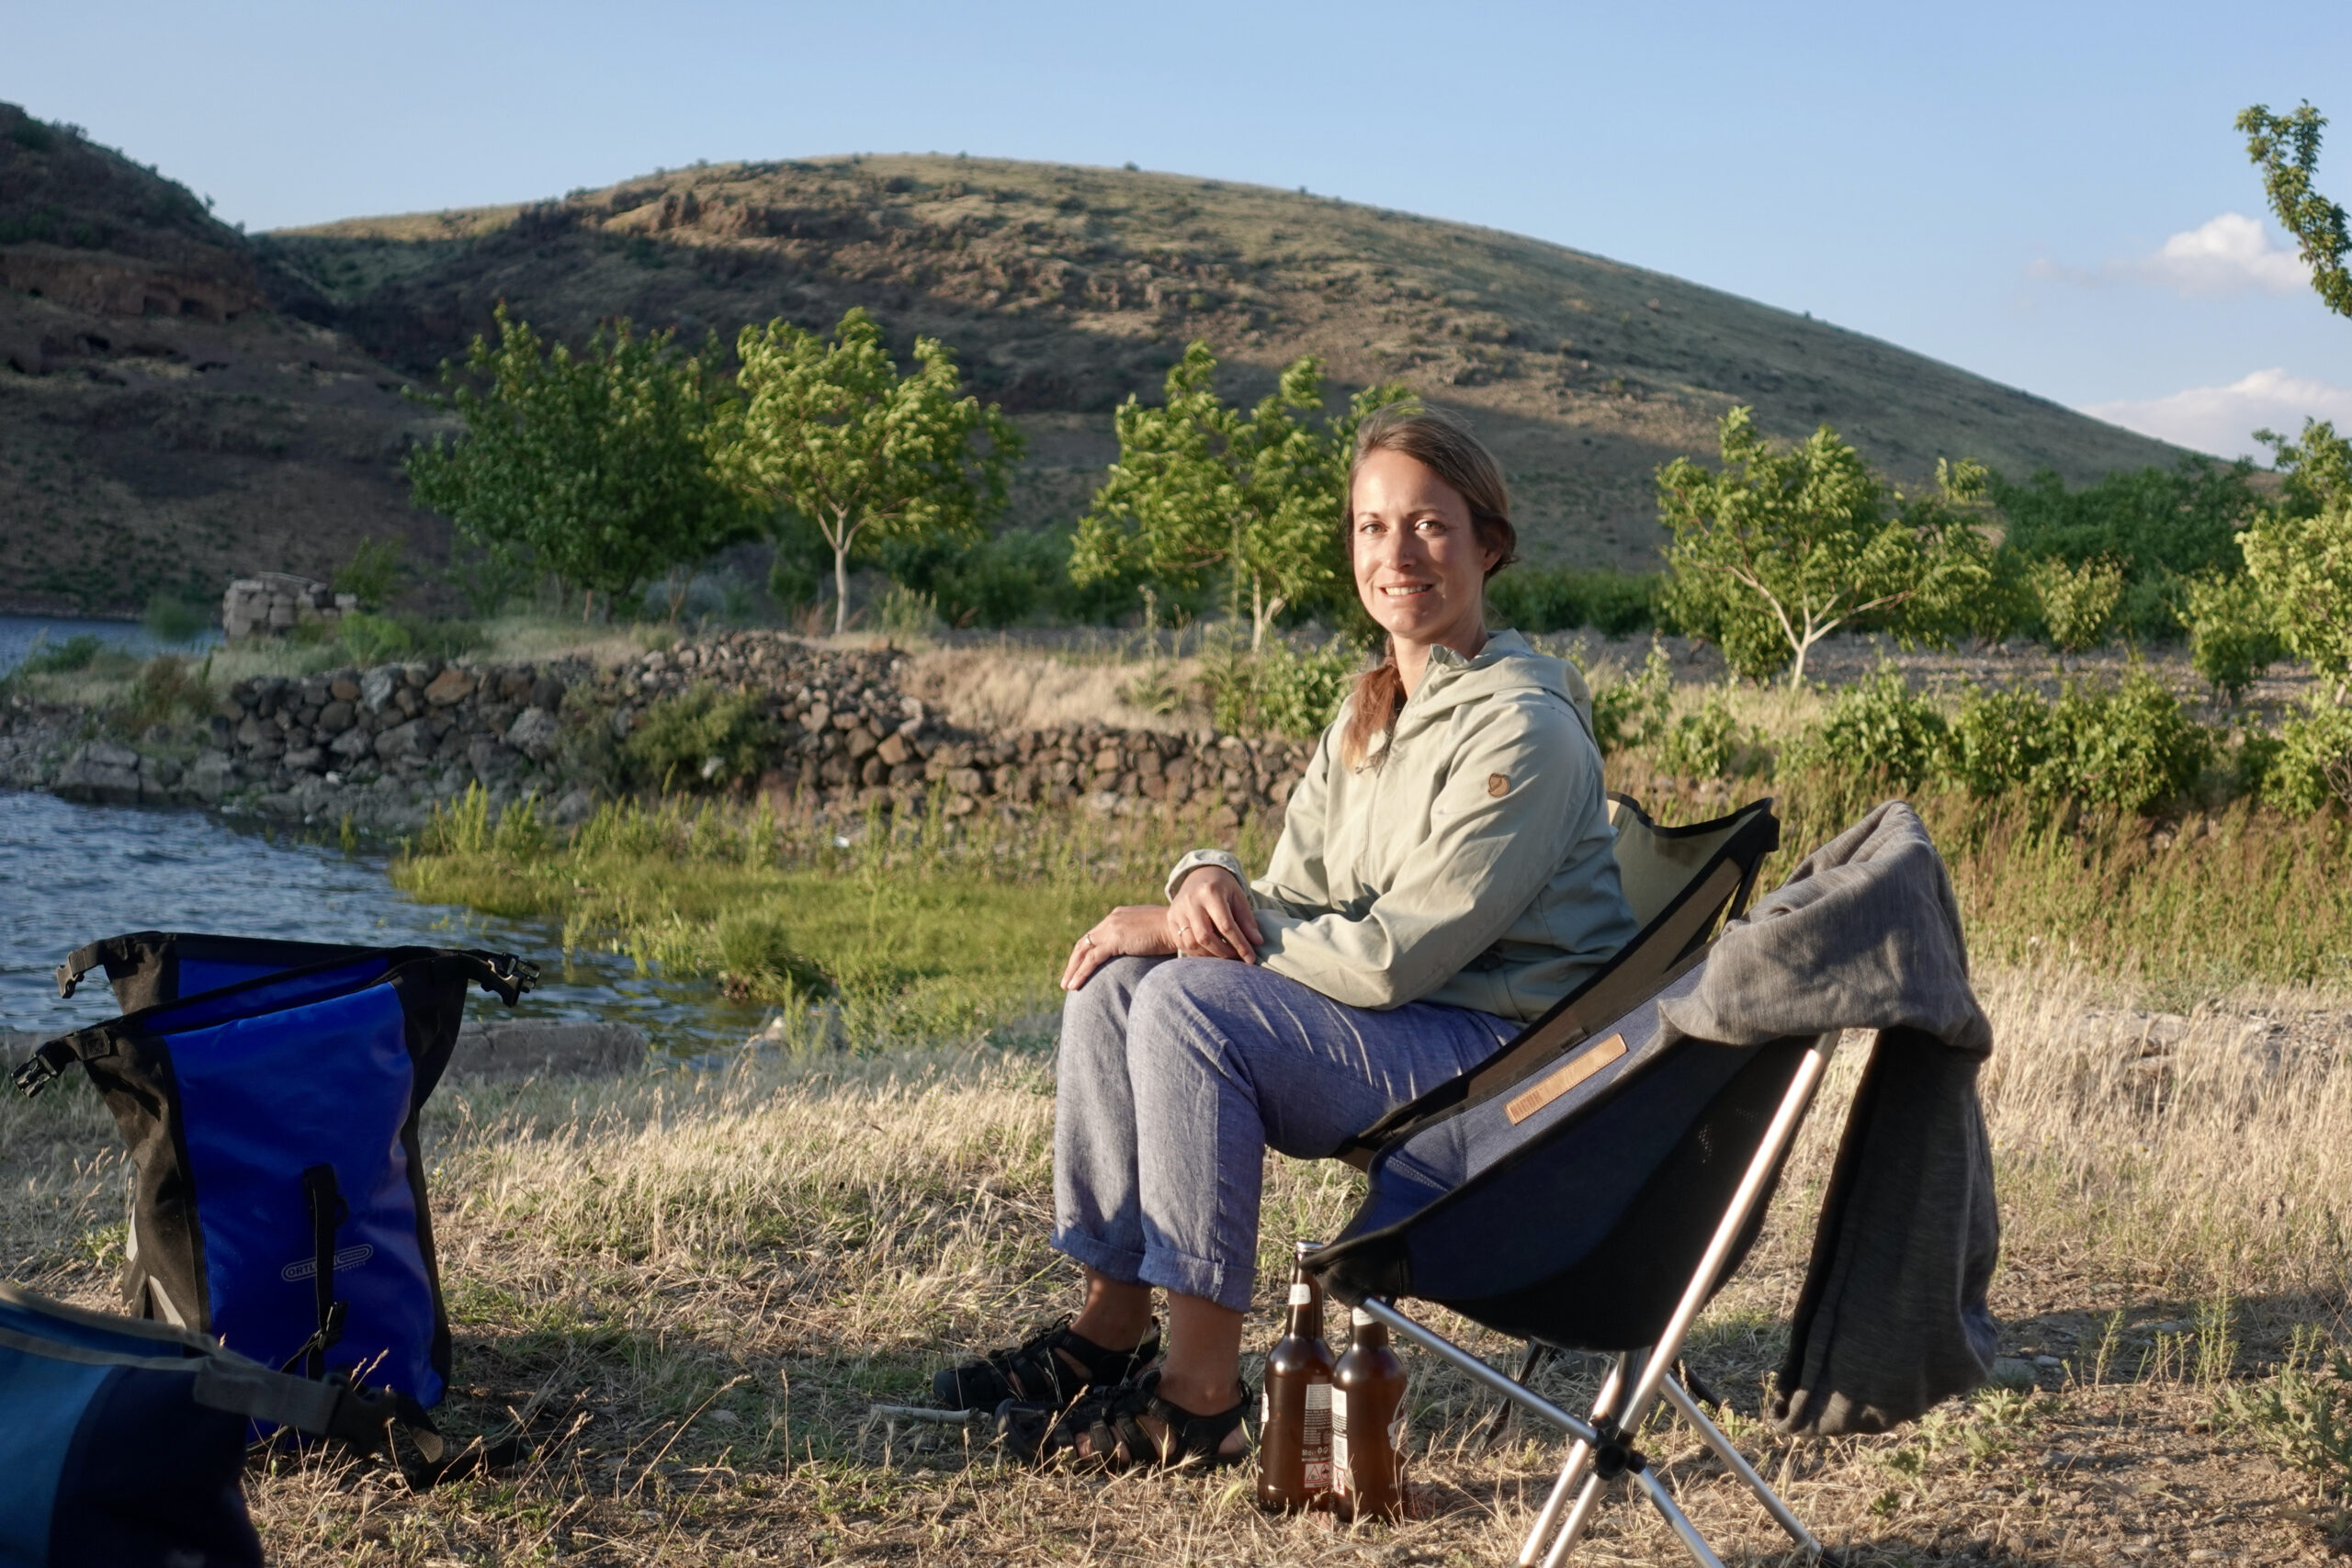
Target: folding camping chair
x=1593 y=1184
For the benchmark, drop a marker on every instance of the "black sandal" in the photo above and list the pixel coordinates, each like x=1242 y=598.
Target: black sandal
x=1033 y=1373
x=1109 y=1419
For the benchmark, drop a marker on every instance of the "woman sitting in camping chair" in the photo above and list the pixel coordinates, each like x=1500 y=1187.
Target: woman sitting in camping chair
x=1444 y=876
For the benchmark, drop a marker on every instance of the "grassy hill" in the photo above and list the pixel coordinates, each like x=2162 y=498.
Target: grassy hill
x=1066 y=288
x=179 y=402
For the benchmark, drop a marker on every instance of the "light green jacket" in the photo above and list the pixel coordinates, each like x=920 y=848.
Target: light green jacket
x=1468 y=862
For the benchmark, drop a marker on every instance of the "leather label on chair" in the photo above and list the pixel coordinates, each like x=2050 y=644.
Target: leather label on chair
x=1577 y=1068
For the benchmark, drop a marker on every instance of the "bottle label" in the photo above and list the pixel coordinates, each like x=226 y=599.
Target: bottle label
x=1265 y=1406
x=1302 y=1293
x=1314 y=1445
x=1339 y=1440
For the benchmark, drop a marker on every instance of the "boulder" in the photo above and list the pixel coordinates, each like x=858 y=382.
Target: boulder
x=450 y=688
x=213 y=775
x=405 y=740
x=377 y=685
x=101 y=772
x=534 y=733
x=531 y=1048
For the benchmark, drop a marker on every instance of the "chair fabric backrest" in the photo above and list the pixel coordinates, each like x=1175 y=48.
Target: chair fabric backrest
x=1574 y=1207
x=1691 y=881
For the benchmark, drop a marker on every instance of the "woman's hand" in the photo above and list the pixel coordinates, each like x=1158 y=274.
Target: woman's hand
x=1129 y=931
x=1210 y=918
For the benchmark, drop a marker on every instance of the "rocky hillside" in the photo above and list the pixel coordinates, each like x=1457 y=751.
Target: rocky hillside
x=1066 y=289
x=168 y=418
x=181 y=404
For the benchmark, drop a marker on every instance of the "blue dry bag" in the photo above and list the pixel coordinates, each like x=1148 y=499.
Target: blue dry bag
x=121 y=1442
x=278 y=1196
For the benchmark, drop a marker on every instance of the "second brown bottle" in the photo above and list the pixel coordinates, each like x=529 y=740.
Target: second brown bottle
x=1368 y=1426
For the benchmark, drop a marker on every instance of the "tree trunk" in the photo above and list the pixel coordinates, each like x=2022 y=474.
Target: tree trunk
x=1796 y=671
x=587 y=605
x=1257 y=616
x=841 y=586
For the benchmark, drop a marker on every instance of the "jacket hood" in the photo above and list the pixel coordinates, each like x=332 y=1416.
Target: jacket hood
x=1504 y=666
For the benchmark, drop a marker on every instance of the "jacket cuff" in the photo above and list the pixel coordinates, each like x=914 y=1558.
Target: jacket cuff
x=1199 y=858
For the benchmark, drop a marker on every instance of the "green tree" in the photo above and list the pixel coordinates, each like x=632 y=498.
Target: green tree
x=833 y=433
x=1202 y=489
x=2300 y=554
x=598 y=466
x=2286 y=148
x=1782 y=546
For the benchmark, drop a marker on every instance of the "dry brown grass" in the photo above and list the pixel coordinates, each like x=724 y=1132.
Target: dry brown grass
x=990 y=689
x=691 y=1287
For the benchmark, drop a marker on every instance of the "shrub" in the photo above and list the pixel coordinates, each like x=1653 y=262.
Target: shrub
x=77 y=653
x=1629 y=710
x=168 y=688
x=1279 y=688
x=1878 y=729
x=2309 y=762
x=2078 y=601
x=904 y=613
x=1709 y=743
x=2233 y=637
x=2304 y=568
x=2152 y=522
x=1536 y=599
x=2128 y=747
x=374 y=640
x=699 y=736
x=756 y=956
x=171 y=618
x=372 y=572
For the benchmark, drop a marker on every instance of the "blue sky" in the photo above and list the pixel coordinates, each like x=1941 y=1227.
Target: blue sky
x=2050 y=195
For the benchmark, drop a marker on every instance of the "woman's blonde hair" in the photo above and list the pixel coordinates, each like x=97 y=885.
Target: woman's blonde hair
x=1444 y=447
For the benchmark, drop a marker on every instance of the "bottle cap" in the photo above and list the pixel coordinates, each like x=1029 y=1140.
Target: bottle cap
x=1359 y=1318
x=1303 y=1248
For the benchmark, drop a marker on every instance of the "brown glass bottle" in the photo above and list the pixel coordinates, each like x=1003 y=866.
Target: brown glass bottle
x=1294 y=1424
x=1368 y=1426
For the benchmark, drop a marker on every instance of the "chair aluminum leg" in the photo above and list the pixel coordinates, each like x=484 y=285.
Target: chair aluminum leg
x=1580 y=1520
x=1580 y=1454
x=1736 y=1463
x=1677 y=1520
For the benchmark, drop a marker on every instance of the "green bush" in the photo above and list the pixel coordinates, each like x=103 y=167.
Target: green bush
x=1629 y=710
x=1279 y=688
x=372 y=572
x=171 y=618
x=77 y=653
x=1534 y=599
x=1877 y=728
x=2129 y=747
x=1709 y=743
x=168 y=688
x=2154 y=521
x=2232 y=636
x=374 y=640
x=2078 y=601
x=903 y=613
x=2309 y=764
x=757 y=957
x=699 y=736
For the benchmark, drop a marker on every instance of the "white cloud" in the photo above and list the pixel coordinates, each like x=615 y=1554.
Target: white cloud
x=2222 y=419
x=2229 y=254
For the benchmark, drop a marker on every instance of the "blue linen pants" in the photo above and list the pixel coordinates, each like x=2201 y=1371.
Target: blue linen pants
x=1175 y=1075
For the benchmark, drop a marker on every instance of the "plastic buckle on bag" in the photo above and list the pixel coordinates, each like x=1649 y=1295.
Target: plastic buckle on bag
x=35 y=1073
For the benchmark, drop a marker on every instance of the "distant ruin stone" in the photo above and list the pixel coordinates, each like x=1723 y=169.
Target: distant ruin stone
x=276 y=601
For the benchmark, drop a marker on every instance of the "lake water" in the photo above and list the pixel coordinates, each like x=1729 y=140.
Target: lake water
x=72 y=874
x=20 y=635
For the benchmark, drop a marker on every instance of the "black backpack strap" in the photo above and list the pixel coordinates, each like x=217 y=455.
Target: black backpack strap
x=502 y=975
x=35 y=1072
x=78 y=962
x=328 y=1211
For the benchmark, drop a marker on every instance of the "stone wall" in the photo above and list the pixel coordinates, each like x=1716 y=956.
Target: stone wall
x=382 y=745
x=275 y=603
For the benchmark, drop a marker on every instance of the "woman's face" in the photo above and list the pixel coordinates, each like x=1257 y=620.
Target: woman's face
x=1420 y=567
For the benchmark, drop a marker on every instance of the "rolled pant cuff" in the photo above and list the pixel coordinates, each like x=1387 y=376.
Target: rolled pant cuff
x=1229 y=1288
x=1115 y=1263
